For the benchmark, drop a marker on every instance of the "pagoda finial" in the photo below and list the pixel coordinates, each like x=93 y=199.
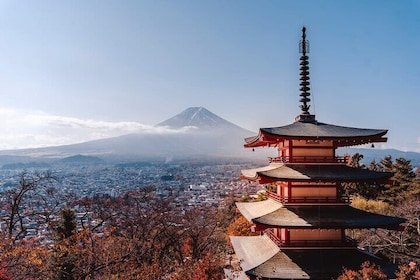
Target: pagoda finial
x=304 y=78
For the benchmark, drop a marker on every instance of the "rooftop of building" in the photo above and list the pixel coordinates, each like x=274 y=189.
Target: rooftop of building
x=313 y=172
x=273 y=214
x=298 y=263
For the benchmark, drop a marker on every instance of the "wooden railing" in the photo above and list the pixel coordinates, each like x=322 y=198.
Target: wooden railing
x=308 y=199
x=347 y=242
x=273 y=237
x=309 y=159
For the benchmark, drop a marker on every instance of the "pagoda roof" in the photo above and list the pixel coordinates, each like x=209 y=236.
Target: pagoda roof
x=315 y=216
x=311 y=263
x=313 y=172
x=252 y=210
x=300 y=130
x=317 y=264
x=254 y=250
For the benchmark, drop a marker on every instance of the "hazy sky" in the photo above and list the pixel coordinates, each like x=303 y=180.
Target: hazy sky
x=72 y=71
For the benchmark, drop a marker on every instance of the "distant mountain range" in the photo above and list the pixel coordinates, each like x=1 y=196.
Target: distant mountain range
x=193 y=133
x=370 y=154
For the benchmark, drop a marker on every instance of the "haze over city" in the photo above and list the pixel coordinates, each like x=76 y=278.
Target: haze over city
x=73 y=71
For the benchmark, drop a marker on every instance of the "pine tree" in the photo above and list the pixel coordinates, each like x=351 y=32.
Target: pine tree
x=403 y=184
x=65 y=230
x=364 y=190
x=68 y=223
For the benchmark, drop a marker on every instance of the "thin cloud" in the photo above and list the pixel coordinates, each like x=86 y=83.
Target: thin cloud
x=33 y=129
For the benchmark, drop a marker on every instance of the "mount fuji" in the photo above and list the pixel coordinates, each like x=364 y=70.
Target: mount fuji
x=201 y=118
x=195 y=132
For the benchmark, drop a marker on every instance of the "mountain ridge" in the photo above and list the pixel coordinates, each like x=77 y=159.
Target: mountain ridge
x=212 y=136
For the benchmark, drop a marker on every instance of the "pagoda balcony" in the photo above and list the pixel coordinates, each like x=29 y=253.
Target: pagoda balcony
x=347 y=242
x=308 y=199
x=309 y=159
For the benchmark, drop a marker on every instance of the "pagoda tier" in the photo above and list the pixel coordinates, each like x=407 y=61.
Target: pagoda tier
x=260 y=258
x=340 y=136
x=313 y=172
x=271 y=214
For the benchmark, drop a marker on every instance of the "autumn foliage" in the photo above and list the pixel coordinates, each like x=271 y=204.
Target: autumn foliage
x=135 y=236
x=370 y=271
x=240 y=227
x=367 y=271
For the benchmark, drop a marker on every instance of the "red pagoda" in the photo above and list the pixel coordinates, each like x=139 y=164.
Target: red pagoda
x=302 y=223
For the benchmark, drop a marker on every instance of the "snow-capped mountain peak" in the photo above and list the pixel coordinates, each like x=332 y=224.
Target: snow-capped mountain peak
x=199 y=117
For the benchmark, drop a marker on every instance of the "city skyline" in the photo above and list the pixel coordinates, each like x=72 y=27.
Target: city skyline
x=75 y=71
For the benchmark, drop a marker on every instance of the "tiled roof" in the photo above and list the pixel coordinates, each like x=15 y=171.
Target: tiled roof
x=260 y=257
x=322 y=130
x=305 y=172
x=252 y=251
x=325 y=216
x=343 y=136
x=252 y=210
x=316 y=264
x=280 y=266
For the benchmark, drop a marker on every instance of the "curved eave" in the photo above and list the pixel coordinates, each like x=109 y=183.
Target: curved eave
x=316 y=264
x=254 y=174
x=280 y=266
x=309 y=173
x=253 y=250
x=260 y=141
x=326 y=217
x=342 y=136
x=252 y=210
x=260 y=257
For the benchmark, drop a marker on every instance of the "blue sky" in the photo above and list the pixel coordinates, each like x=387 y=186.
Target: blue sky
x=72 y=71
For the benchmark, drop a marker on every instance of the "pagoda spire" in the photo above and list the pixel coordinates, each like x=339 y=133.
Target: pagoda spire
x=304 y=116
